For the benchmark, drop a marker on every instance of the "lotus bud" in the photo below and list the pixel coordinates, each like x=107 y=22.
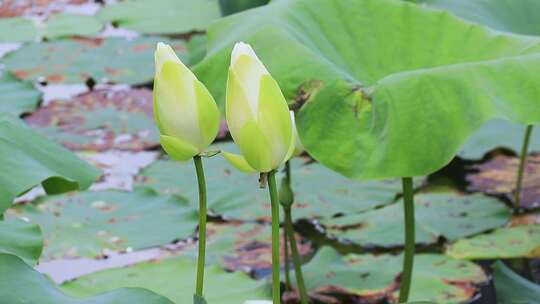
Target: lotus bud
x=257 y=114
x=186 y=114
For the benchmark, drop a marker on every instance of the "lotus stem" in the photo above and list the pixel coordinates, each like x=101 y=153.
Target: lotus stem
x=202 y=226
x=304 y=299
x=272 y=188
x=286 y=254
x=408 y=259
x=521 y=166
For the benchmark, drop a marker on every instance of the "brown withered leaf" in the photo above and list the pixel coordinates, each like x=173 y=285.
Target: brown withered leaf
x=497 y=176
x=100 y=120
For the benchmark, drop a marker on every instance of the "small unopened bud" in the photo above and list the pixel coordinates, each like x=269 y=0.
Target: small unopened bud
x=286 y=195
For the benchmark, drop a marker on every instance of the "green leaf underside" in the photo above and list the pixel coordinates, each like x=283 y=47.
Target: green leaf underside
x=17 y=97
x=512 y=288
x=87 y=223
x=236 y=195
x=21 y=239
x=437 y=278
x=162 y=16
x=28 y=159
x=103 y=59
x=25 y=285
x=173 y=278
x=426 y=100
x=503 y=243
x=437 y=215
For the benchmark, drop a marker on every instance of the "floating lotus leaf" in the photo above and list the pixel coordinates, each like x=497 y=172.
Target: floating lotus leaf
x=244 y=247
x=237 y=195
x=503 y=243
x=162 y=16
x=376 y=102
x=437 y=215
x=90 y=223
x=100 y=120
x=77 y=60
x=375 y=278
x=173 y=278
x=12 y=8
x=22 y=285
x=28 y=159
x=61 y=25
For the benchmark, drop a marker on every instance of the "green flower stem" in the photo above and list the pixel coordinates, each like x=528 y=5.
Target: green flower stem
x=272 y=188
x=289 y=229
x=408 y=259
x=286 y=254
x=521 y=167
x=202 y=225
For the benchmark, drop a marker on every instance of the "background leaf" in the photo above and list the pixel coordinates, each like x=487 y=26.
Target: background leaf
x=162 y=16
x=76 y=60
x=503 y=243
x=91 y=223
x=174 y=278
x=437 y=215
x=30 y=160
x=16 y=97
x=100 y=120
x=25 y=285
x=21 y=239
x=435 y=278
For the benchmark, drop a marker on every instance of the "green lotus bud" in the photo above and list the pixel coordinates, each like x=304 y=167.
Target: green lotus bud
x=186 y=114
x=257 y=113
x=286 y=195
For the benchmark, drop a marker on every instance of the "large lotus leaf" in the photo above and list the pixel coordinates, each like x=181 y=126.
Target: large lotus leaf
x=91 y=223
x=503 y=243
x=76 y=60
x=16 y=97
x=21 y=239
x=237 y=196
x=162 y=16
x=437 y=215
x=100 y=120
x=498 y=134
x=512 y=288
x=61 y=25
x=378 y=102
x=28 y=159
x=374 y=278
x=497 y=176
x=175 y=279
x=513 y=16
x=21 y=285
